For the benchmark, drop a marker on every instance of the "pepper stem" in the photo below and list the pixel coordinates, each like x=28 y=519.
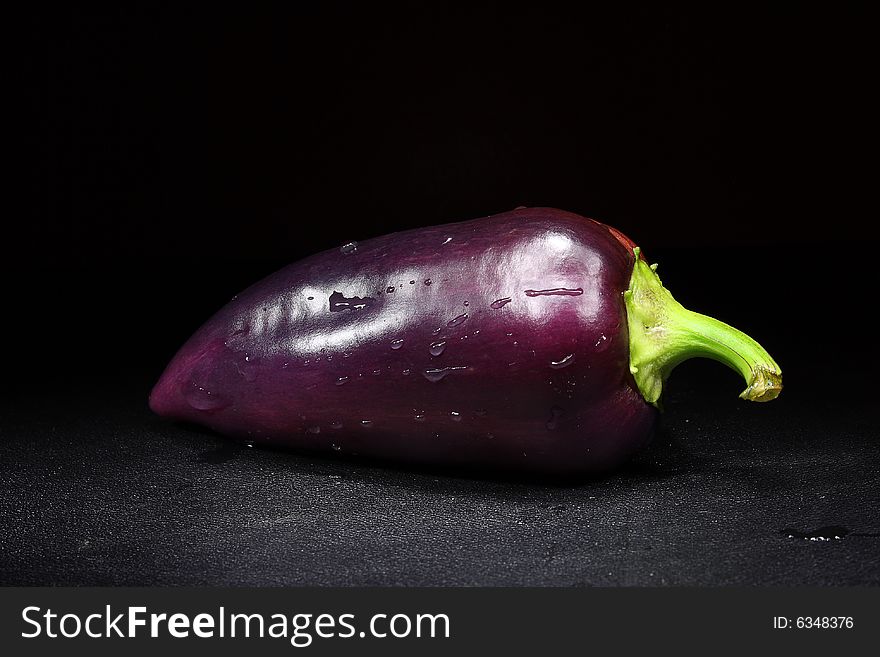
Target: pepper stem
x=663 y=333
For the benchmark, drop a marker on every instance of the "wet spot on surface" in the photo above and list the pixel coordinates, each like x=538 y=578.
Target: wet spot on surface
x=339 y=302
x=830 y=533
x=555 y=292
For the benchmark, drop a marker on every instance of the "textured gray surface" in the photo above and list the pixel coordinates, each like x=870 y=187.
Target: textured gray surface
x=95 y=490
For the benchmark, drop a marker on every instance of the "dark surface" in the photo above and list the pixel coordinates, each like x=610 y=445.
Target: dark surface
x=94 y=489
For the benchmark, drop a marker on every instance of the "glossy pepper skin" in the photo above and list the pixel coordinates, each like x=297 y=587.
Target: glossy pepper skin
x=499 y=343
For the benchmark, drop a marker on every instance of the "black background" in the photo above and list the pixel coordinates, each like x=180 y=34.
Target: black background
x=174 y=155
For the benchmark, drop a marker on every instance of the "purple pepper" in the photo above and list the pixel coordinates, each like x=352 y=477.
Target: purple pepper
x=535 y=340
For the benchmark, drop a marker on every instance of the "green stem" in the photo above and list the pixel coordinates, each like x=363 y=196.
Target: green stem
x=663 y=333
